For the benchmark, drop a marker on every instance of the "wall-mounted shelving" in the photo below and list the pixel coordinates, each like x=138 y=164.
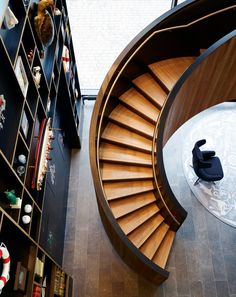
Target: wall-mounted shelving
x=31 y=237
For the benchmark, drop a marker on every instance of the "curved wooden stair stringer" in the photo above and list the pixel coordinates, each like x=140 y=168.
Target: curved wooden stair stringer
x=126 y=165
x=137 y=207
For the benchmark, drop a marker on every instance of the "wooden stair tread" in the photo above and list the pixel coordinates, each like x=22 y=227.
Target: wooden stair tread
x=135 y=219
x=150 y=247
x=114 y=153
x=110 y=171
x=121 y=207
x=137 y=102
x=161 y=256
x=143 y=232
x=170 y=70
x=147 y=84
x=125 y=117
x=114 y=190
x=119 y=135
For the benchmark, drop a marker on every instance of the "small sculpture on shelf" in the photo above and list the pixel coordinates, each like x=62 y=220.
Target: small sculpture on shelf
x=19 y=163
x=2 y=109
x=37 y=75
x=15 y=202
x=28 y=208
x=9 y=20
x=22 y=159
x=26 y=218
x=43 y=22
x=30 y=55
x=10 y=195
x=20 y=170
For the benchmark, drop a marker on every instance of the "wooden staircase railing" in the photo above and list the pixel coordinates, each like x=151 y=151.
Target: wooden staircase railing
x=136 y=204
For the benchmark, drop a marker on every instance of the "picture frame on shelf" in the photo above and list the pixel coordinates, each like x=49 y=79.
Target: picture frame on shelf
x=24 y=125
x=21 y=76
x=20 y=278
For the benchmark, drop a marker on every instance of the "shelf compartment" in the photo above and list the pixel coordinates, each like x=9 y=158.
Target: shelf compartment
x=39 y=267
x=56 y=75
x=48 y=61
x=38 y=195
x=52 y=99
x=9 y=181
x=32 y=99
x=21 y=249
x=11 y=38
x=21 y=155
x=26 y=200
x=59 y=50
x=26 y=124
x=28 y=42
x=35 y=223
x=9 y=87
x=57 y=21
x=60 y=282
x=49 y=275
x=29 y=88
x=64 y=11
x=67 y=115
x=43 y=89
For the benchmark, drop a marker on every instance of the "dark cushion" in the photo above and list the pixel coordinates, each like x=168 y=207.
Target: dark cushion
x=197 y=154
x=215 y=172
x=205 y=164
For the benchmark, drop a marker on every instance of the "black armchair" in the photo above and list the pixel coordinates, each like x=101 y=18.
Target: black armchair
x=205 y=164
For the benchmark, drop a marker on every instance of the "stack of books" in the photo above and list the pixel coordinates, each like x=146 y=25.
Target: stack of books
x=59 y=285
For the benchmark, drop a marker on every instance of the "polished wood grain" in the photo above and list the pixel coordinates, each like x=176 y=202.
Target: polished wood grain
x=118 y=154
x=121 y=207
x=150 y=247
x=141 y=105
x=95 y=265
x=168 y=48
x=128 y=119
x=161 y=256
x=169 y=71
x=138 y=217
x=143 y=232
x=211 y=82
x=113 y=172
x=122 y=136
x=147 y=84
x=115 y=190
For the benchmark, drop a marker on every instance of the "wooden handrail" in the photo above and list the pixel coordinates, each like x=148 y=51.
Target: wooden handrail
x=128 y=252
x=119 y=75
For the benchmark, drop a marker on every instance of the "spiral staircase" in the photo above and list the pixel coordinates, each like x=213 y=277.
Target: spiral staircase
x=145 y=97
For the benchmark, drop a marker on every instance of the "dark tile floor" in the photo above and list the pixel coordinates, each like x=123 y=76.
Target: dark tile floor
x=202 y=261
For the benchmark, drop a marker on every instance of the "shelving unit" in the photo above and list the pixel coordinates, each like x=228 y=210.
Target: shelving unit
x=32 y=246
